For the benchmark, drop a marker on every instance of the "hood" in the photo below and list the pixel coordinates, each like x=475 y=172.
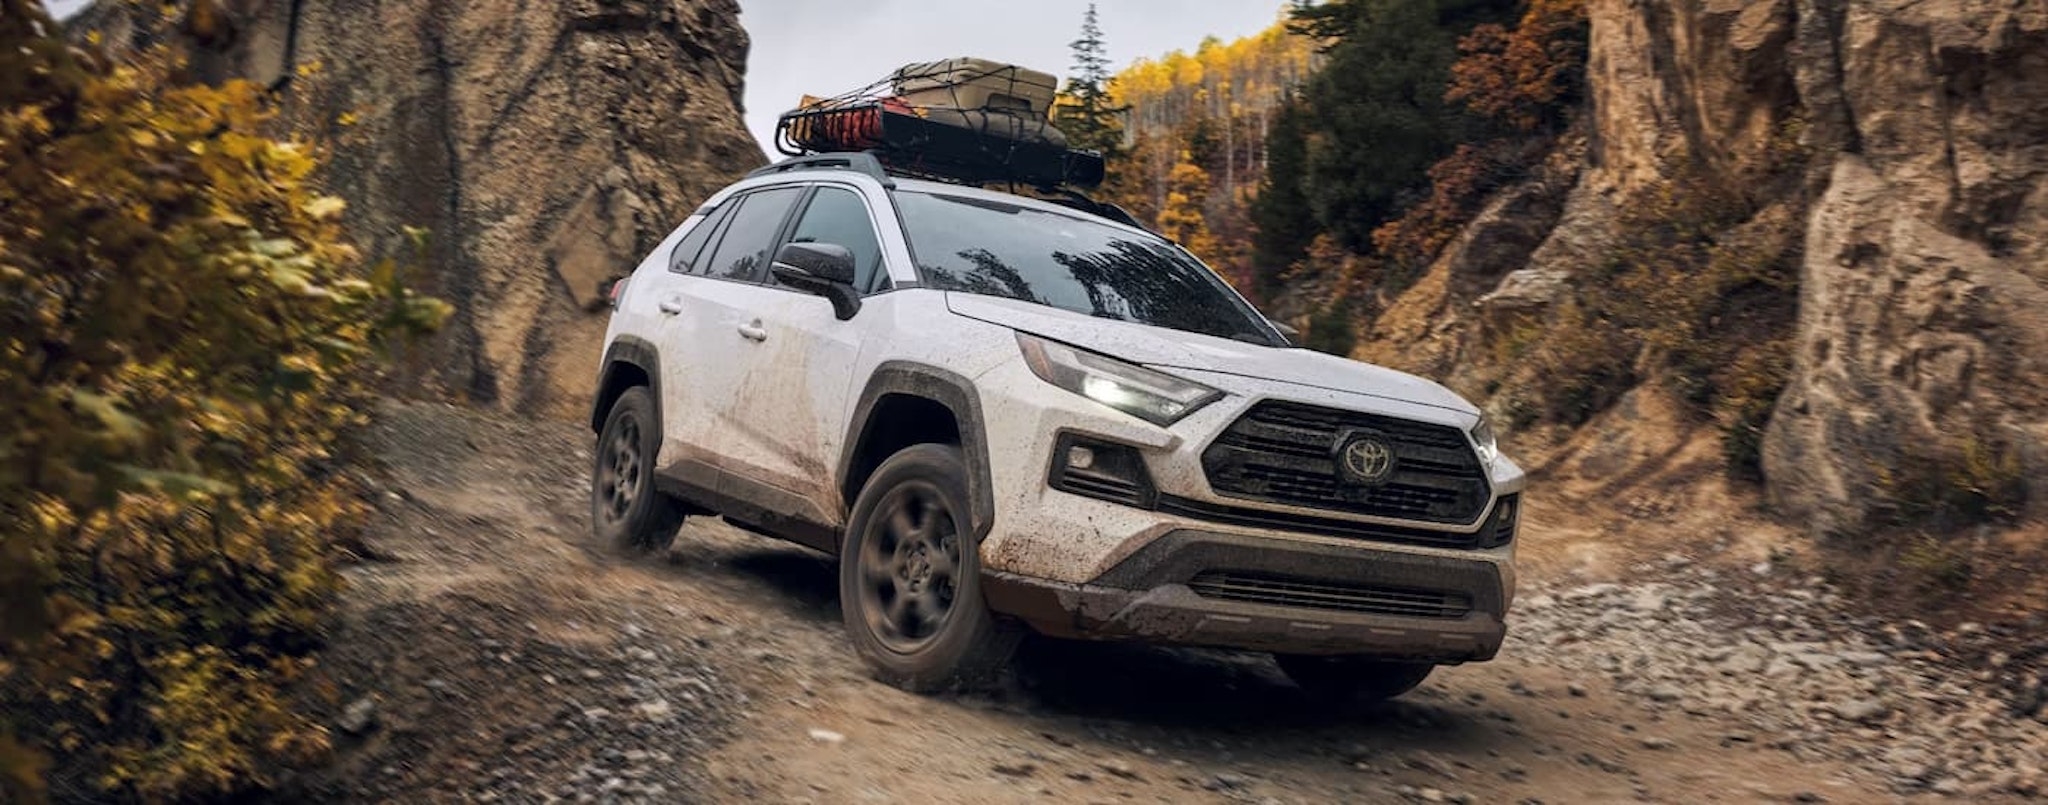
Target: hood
x=1162 y=348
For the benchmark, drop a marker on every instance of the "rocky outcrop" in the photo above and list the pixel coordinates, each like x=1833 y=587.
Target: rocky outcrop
x=1923 y=337
x=543 y=146
x=1901 y=146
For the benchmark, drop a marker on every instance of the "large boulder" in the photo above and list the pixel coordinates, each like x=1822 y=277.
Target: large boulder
x=544 y=146
x=1923 y=338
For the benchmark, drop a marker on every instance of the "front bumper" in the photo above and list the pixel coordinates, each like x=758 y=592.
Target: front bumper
x=1158 y=595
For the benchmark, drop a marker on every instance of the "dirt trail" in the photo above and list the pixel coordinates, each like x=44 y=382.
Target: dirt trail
x=495 y=652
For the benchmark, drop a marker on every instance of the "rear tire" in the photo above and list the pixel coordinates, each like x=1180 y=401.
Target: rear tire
x=1353 y=680
x=625 y=508
x=910 y=577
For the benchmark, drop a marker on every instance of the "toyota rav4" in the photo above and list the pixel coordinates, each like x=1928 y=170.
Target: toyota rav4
x=1005 y=413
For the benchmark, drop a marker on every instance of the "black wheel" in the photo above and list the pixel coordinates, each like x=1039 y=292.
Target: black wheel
x=625 y=508
x=910 y=579
x=1353 y=680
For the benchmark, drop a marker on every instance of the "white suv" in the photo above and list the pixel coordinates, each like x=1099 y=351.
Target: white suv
x=1005 y=413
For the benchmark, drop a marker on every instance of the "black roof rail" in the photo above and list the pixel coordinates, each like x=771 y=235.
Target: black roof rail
x=861 y=161
x=1102 y=209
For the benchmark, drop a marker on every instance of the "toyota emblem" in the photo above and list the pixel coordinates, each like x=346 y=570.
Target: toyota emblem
x=1366 y=459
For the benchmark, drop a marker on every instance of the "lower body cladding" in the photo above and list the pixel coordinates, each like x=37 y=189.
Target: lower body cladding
x=1206 y=588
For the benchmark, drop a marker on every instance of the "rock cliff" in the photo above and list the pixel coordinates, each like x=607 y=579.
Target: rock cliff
x=1894 y=154
x=1923 y=332
x=543 y=146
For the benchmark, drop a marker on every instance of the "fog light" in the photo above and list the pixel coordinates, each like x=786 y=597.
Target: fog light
x=1080 y=458
x=1500 y=528
x=1100 y=469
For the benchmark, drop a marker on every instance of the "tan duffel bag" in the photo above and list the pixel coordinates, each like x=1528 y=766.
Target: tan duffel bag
x=970 y=83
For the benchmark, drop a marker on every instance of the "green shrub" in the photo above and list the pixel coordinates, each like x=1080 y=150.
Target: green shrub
x=1937 y=566
x=182 y=333
x=1968 y=481
x=1698 y=290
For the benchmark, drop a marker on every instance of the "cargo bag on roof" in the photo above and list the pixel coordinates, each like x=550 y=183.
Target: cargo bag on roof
x=964 y=120
x=970 y=84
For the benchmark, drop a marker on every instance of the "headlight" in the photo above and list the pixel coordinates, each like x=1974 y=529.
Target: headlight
x=1483 y=438
x=1155 y=397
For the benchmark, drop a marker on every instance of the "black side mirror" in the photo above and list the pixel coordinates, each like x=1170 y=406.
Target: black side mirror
x=1292 y=334
x=825 y=269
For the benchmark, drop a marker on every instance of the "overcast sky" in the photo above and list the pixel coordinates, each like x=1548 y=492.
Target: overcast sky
x=826 y=47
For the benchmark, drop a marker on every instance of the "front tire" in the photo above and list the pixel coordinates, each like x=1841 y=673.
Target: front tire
x=910 y=577
x=625 y=508
x=1353 y=680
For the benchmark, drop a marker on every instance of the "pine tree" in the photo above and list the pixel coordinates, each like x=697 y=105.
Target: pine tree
x=1379 y=114
x=1285 y=222
x=1086 y=113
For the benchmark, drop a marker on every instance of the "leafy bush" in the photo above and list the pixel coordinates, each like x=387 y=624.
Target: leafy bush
x=182 y=333
x=1692 y=290
x=1459 y=185
x=1937 y=566
x=1530 y=77
x=1971 y=480
x=1529 y=81
x=1378 y=117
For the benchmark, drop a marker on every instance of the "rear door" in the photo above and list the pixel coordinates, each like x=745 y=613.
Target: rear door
x=715 y=333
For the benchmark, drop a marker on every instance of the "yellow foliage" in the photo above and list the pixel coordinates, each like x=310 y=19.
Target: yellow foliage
x=1181 y=218
x=1242 y=76
x=183 y=331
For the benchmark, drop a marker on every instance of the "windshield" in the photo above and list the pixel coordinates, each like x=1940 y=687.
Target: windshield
x=1068 y=262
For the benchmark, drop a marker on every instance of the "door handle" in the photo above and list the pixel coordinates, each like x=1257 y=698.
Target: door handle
x=753 y=331
x=671 y=305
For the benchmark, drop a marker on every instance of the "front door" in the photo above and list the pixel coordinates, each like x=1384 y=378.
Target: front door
x=797 y=401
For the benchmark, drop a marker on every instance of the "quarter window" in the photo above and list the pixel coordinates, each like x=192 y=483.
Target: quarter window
x=689 y=250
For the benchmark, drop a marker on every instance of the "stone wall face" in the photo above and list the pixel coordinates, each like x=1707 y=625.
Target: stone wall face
x=545 y=146
x=1921 y=220
x=1923 y=337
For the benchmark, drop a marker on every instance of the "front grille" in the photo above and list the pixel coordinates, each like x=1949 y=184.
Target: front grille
x=1323 y=595
x=1284 y=452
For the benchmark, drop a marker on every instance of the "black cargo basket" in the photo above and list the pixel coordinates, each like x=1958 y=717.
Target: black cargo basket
x=968 y=146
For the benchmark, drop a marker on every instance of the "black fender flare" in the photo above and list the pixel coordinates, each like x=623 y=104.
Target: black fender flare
x=953 y=391
x=625 y=350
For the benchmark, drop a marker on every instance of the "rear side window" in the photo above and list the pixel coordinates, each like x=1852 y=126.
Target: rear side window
x=742 y=252
x=688 y=251
x=838 y=216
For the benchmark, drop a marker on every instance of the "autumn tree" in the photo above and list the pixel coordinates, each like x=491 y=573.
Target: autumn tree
x=1381 y=119
x=1181 y=217
x=1528 y=81
x=1529 y=77
x=183 y=335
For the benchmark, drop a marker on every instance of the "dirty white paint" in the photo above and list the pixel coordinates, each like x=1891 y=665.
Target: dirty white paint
x=762 y=382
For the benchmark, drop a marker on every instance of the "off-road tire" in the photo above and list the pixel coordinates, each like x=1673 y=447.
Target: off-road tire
x=626 y=510
x=1352 y=680
x=882 y=559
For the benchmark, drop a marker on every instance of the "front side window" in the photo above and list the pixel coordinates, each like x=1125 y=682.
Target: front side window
x=742 y=252
x=995 y=248
x=836 y=215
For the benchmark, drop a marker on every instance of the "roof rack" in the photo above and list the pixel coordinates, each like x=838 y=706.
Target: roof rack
x=861 y=161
